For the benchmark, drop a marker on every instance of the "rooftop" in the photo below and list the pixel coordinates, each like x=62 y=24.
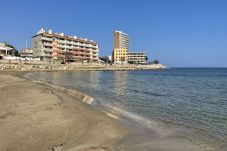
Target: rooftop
x=61 y=35
x=121 y=32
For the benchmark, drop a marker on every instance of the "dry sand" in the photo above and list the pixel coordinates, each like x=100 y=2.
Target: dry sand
x=40 y=117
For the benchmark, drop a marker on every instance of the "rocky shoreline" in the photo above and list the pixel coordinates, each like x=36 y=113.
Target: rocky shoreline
x=34 y=66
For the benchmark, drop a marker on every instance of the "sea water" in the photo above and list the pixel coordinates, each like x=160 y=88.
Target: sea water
x=195 y=98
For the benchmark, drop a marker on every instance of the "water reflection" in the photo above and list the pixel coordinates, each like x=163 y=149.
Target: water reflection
x=120 y=81
x=94 y=79
x=51 y=77
x=54 y=77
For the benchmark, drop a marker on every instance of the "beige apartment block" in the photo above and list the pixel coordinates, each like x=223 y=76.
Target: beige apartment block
x=49 y=46
x=120 y=55
x=26 y=53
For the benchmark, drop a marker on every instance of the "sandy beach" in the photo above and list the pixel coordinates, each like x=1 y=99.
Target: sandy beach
x=36 y=116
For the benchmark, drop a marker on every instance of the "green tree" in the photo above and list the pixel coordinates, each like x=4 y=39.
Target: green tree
x=146 y=58
x=155 y=62
x=17 y=53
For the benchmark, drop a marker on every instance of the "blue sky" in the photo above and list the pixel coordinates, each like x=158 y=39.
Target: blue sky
x=191 y=33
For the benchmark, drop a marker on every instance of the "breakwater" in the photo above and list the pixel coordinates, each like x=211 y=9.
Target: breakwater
x=45 y=66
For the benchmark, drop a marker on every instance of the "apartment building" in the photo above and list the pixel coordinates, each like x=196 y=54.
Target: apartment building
x=6 y=49
x=137 y=58
x=120 y=55
x=26 y=53
x=121 y=47
x=49 y=46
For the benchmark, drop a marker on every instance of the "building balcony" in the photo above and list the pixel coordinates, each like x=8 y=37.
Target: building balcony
x=76 y=43
x=47 y=39
x=60 y=56
x=79 y=57
x=80 y=52
x=76 y=53
x=95 y=59
x=47 y=44
x=61 y=41
x=69 y=47
x=79 y=49
x=48 y=50
x=48 y=55
x=61 y=46
x=61 y=50
x=69 y=42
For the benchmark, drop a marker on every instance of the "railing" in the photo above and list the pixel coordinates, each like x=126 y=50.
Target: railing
x=48 y=55
x=47 y=39
x=68 y=47
x=61 y=41
x=61 y=46
x=47 y=44
x=48 y=50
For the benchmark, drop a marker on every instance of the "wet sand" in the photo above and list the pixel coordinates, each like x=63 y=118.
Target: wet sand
x=36 y=116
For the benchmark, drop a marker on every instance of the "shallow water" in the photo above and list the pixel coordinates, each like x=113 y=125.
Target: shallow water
x=190 y=97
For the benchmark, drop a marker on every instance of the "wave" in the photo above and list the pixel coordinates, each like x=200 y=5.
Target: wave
x=118 y=113
x=77 y=94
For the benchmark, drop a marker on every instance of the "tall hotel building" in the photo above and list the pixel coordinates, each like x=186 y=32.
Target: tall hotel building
x=121 y=47
x=50 y=46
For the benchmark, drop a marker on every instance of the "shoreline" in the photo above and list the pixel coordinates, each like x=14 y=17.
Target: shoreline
x=145 y=138
x=41 y=66
x=205 y=140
